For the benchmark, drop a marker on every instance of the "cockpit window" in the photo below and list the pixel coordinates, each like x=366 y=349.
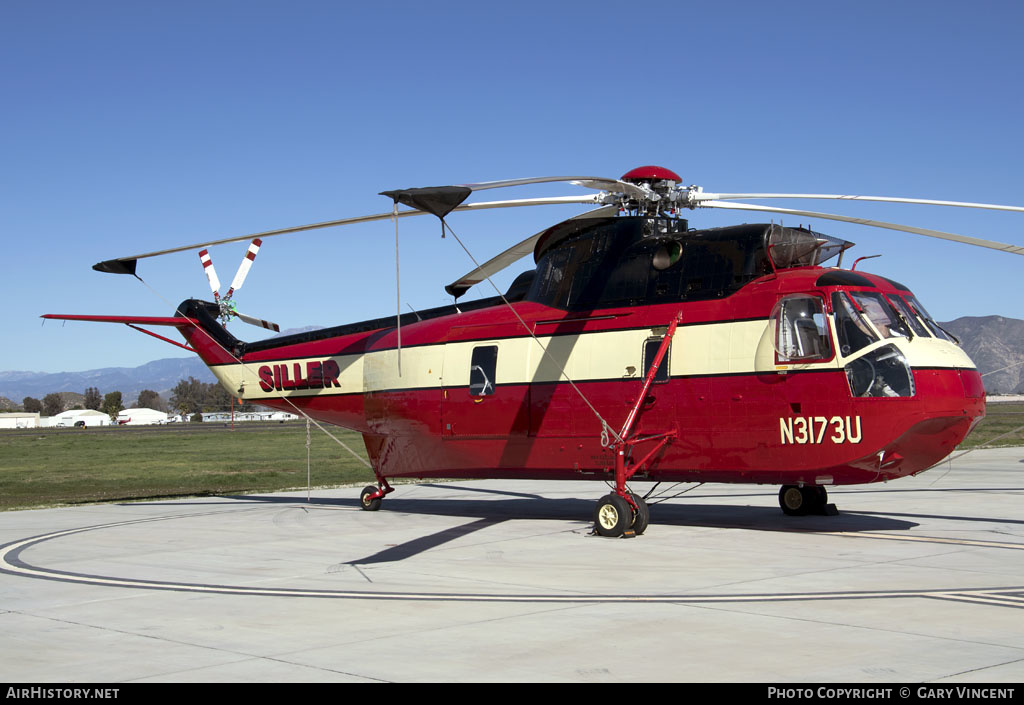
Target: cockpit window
x=881 y=314
x=882 y=372
x=851 y=330
x=908 y=315
x=934 y=327
x=800 y=331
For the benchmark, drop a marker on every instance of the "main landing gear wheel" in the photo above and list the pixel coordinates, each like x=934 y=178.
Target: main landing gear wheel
x=613 y=515
x=800 y=501
x=367 y=501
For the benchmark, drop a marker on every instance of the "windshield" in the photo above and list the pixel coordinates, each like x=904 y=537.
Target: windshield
x=908 y=315
x=934 y=327
x=851 y=330
x=881 y=314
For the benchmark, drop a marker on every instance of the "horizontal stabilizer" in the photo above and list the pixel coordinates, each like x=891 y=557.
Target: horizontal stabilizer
x=176 y=321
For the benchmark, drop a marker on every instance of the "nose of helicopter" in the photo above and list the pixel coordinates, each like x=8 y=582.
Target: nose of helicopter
x=951 y=411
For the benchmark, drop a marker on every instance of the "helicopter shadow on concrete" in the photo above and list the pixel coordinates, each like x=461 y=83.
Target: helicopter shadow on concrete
x=528 y=507
x=524 y=506
x=485 y=514
x=481 y=514
x=697 y=512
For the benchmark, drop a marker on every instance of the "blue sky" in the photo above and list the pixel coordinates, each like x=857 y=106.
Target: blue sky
x=129 y=127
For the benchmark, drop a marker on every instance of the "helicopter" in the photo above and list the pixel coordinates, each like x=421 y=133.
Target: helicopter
x=636 y=348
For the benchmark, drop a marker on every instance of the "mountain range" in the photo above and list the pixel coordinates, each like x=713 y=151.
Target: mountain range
x=995 y=343
x=159 y=375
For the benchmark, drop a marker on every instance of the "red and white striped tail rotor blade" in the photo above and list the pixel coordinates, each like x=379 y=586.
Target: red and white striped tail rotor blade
x=245 y=266
x=251 y=320
x=211 y=273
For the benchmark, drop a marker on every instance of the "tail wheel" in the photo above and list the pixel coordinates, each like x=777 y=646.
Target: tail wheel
x=367 y=501
x=612 y=516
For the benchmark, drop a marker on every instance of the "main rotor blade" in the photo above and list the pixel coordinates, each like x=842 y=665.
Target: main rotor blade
x=512 y=255
x=258 y=322
x=245 y=266
x=599 y=183
x=126 y=265
x=211 y=273
x=701 y=196
x=1003 y=247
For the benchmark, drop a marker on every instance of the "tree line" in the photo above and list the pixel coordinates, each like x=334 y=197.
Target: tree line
x=188 y=397
x=111 y=403
x=192 y=396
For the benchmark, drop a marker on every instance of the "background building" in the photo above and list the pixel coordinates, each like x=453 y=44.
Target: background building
x=141 y=416
x=19 y=419
x=67 y=419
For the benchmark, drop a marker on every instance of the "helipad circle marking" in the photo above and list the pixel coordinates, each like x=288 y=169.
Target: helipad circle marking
x=11 y=563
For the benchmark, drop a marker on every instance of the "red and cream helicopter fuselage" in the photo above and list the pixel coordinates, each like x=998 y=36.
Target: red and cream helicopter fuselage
x=797 y=376
x=637 y=348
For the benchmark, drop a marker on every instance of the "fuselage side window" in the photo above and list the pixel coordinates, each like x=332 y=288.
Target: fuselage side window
x=651 y=346
x=482 y=370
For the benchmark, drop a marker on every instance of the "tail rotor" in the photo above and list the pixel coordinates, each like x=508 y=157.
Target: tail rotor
x=226 y=304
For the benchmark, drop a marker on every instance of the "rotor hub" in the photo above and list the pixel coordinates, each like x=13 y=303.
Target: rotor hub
x=657 y=191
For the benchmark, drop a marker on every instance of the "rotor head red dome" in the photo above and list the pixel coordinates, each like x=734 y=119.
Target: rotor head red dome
x=651 y=173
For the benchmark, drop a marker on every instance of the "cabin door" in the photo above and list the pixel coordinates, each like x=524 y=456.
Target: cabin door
x=481 y=396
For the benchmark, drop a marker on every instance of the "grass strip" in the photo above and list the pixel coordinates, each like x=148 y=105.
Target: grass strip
x=46 y=467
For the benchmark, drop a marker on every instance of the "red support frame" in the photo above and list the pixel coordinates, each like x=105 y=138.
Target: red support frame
x=626 y=468
x=159 y=337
